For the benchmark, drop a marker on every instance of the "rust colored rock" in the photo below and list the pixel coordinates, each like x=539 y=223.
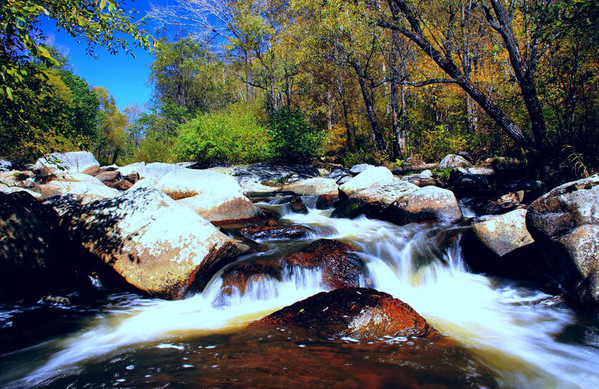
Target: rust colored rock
x=238 y=277
x=358 y=313
x=325 y=202
x=275 y=232
x=340 y=267
x=297 y=206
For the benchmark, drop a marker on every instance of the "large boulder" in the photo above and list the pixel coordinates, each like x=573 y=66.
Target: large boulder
x=215 y=196
x=357 y=313
x=375 y=176
x=565 y=224
x=157 y=245
x=85 y=187
x=27 y=244
x=399 y=202
x=314 y=187
x=453 y=160
x=501 y=245
x=74 y=162
x=154 y=170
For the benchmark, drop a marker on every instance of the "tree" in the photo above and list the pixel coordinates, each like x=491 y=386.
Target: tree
x=187 y=74
x=112 y=137
x=98 y=22
x=51 y=110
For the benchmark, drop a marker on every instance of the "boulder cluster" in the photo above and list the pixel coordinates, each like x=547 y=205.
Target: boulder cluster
x=159 y=228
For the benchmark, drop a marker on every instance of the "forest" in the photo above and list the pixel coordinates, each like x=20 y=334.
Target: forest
x=384 y=82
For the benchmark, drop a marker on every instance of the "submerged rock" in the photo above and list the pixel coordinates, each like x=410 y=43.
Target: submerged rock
x=158 y=246
x=296 y=205
x=236 y=278
x=341 y=267
x=565 y=225
x=357 y=313
x=325 y=202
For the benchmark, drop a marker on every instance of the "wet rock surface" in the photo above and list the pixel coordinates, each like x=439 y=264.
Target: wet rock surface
x=357 y=313
x=274 y=232
x=565 y=225
x=236 y=278
x=341 y=267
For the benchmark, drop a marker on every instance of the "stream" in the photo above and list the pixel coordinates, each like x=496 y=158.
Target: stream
x=510 y=335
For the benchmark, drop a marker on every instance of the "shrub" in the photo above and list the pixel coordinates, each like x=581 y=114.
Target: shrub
x=293 y=139
x=233 y=135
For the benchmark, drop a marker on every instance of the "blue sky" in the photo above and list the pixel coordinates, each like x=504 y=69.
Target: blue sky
x=125 y=77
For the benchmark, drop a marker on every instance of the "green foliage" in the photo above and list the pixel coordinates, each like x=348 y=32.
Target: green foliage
x=293 y=139
x=436 y=142
x=97 y=22
x=155 y=147
x=112 y=137
x=50 y=110
x=186 y=74
x=233 y=135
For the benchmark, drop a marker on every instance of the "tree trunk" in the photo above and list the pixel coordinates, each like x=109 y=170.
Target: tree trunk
x=523 y=70
x=416 y=35
x=371 y=113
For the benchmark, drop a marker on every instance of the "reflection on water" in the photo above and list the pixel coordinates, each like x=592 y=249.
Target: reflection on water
x=201 y=341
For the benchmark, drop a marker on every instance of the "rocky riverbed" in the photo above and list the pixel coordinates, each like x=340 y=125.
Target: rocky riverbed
x=349 y=256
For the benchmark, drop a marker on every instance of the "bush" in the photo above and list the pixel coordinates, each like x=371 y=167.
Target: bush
x=293 y=139
x=233 y=135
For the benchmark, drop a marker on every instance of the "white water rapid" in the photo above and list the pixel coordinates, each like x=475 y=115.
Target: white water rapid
x=504 y=325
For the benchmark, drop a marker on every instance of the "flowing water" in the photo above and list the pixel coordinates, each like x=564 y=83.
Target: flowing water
x=509 y=335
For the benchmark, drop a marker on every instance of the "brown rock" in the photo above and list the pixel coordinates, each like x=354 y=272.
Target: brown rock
x=358 y=313
x=340 y=267
x=237 y=278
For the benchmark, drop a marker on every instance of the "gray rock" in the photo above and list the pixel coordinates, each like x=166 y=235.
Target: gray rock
x=72 y=162
x=85 y=187
x=215 y=196
x=376 y=176
x=157 y=245
x=453 y=160
x=314 y=187
x=357 y=169
x=340 y=174
x=565 y=224
x=395 y=200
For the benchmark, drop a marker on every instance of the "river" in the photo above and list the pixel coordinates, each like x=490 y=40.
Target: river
x=510 y=335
